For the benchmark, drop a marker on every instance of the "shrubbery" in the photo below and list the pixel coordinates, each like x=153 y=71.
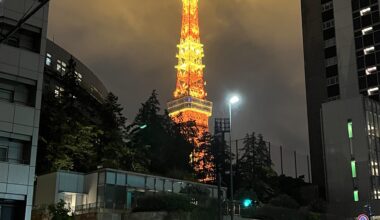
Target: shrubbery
x=284 y=201
x=163 y=202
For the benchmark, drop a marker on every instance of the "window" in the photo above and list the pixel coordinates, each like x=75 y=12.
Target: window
x=61 y=66
x=58 y=91
x=370 y=70
x=331 y=61
x=353 y=169
x=373 y=91
x=356 y=196
x=367 y=30
x=78 y=76
x=28 y=37
x=332 y=80
x=330 y=42
x=365 y=11
x=6 y=95
x=48 y=59
x=3 y=153
x=328 y=24
x=369 y=50
x=327 y=6
x=350 y=129
x=111 y=178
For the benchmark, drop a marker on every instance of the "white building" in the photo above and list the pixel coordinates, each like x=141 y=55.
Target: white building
x=21 y=73
x=107 y=193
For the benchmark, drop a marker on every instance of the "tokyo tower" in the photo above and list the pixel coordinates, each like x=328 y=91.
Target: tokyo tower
x=189 y=98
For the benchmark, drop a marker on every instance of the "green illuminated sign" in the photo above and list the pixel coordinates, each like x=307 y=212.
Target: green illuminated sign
x=353 y=168
x=349 y=128
x=356 y=196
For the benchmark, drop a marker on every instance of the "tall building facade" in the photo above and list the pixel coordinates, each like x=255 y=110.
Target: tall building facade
x=342 y=59
x=189 y=98
x=22 y=59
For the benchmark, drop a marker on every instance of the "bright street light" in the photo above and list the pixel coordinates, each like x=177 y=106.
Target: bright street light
x=234 y=99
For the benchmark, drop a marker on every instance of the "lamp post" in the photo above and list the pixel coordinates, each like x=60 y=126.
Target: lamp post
x=233 y=100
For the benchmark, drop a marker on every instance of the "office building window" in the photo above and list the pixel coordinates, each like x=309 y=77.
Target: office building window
x=3 y=153
x=371 y=70
x=58 y=91
x=48 y=59
x=6 y=95
x=350 y=129
x=61 y=66
x=369 y=50
x=367 y=30
x=78 y=76
x=353 y=169
x=373 y=91
x=365 y=11
x=356 y=196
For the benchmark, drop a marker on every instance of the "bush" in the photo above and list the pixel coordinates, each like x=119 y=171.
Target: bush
x=284 y=201
x=163 y=202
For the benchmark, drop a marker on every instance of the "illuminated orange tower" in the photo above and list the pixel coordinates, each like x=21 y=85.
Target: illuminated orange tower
x=190 y=95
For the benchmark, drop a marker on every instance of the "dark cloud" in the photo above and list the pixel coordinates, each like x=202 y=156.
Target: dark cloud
x=252 y=47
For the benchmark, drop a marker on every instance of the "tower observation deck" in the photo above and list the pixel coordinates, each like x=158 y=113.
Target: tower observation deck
x=189 y=98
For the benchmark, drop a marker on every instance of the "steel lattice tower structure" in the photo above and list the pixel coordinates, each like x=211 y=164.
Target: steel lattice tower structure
x=189 y=99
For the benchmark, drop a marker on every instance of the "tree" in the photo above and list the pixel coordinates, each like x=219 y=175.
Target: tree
x=75 y=150
x=254 y=168
x=161 y=145
x=205 y=165
x=59 y=211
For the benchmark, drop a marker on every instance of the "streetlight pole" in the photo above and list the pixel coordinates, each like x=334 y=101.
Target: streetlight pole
x=231 y=170
x=233 y=100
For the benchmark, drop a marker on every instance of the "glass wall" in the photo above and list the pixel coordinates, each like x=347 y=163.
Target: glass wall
x=119 y=190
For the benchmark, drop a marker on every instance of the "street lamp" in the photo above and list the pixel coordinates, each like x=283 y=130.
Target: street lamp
x=233 y=100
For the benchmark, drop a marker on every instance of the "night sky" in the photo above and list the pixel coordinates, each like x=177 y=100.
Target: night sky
x=252 y=47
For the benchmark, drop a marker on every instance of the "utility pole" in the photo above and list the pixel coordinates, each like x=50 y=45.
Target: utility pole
x=22 y=21
x=282 y=162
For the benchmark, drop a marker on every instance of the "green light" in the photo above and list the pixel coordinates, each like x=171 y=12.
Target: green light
x=247 y=203
x=349 y=128
x=356 y=196
x=353 y=168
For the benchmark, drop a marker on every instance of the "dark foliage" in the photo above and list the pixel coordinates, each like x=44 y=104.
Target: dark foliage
x=163 y=202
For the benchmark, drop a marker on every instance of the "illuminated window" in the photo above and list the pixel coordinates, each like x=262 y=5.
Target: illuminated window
x=61 y=66
x=373 y=91
x=367 y=30
x=369 y=50
x=48 y=59
x=370 y=70
x=356 y=196
x=365 y=11
x=78 y=76
x=353 y=168
x=58 y=91
x=350 y=129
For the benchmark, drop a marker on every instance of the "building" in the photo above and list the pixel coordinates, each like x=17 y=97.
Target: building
x=56 y=65
x=107 y=193
x=342 y=57
x=22 y=58
x=189 y=99
x=352 y=144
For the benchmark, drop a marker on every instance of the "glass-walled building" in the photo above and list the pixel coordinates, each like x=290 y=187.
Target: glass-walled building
x=106 y=193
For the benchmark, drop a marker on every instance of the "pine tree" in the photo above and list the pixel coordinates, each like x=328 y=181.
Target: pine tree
x=254 y=169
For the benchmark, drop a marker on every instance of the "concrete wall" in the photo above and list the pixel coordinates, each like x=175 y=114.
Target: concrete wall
x=46 y=190
x=345 y=44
